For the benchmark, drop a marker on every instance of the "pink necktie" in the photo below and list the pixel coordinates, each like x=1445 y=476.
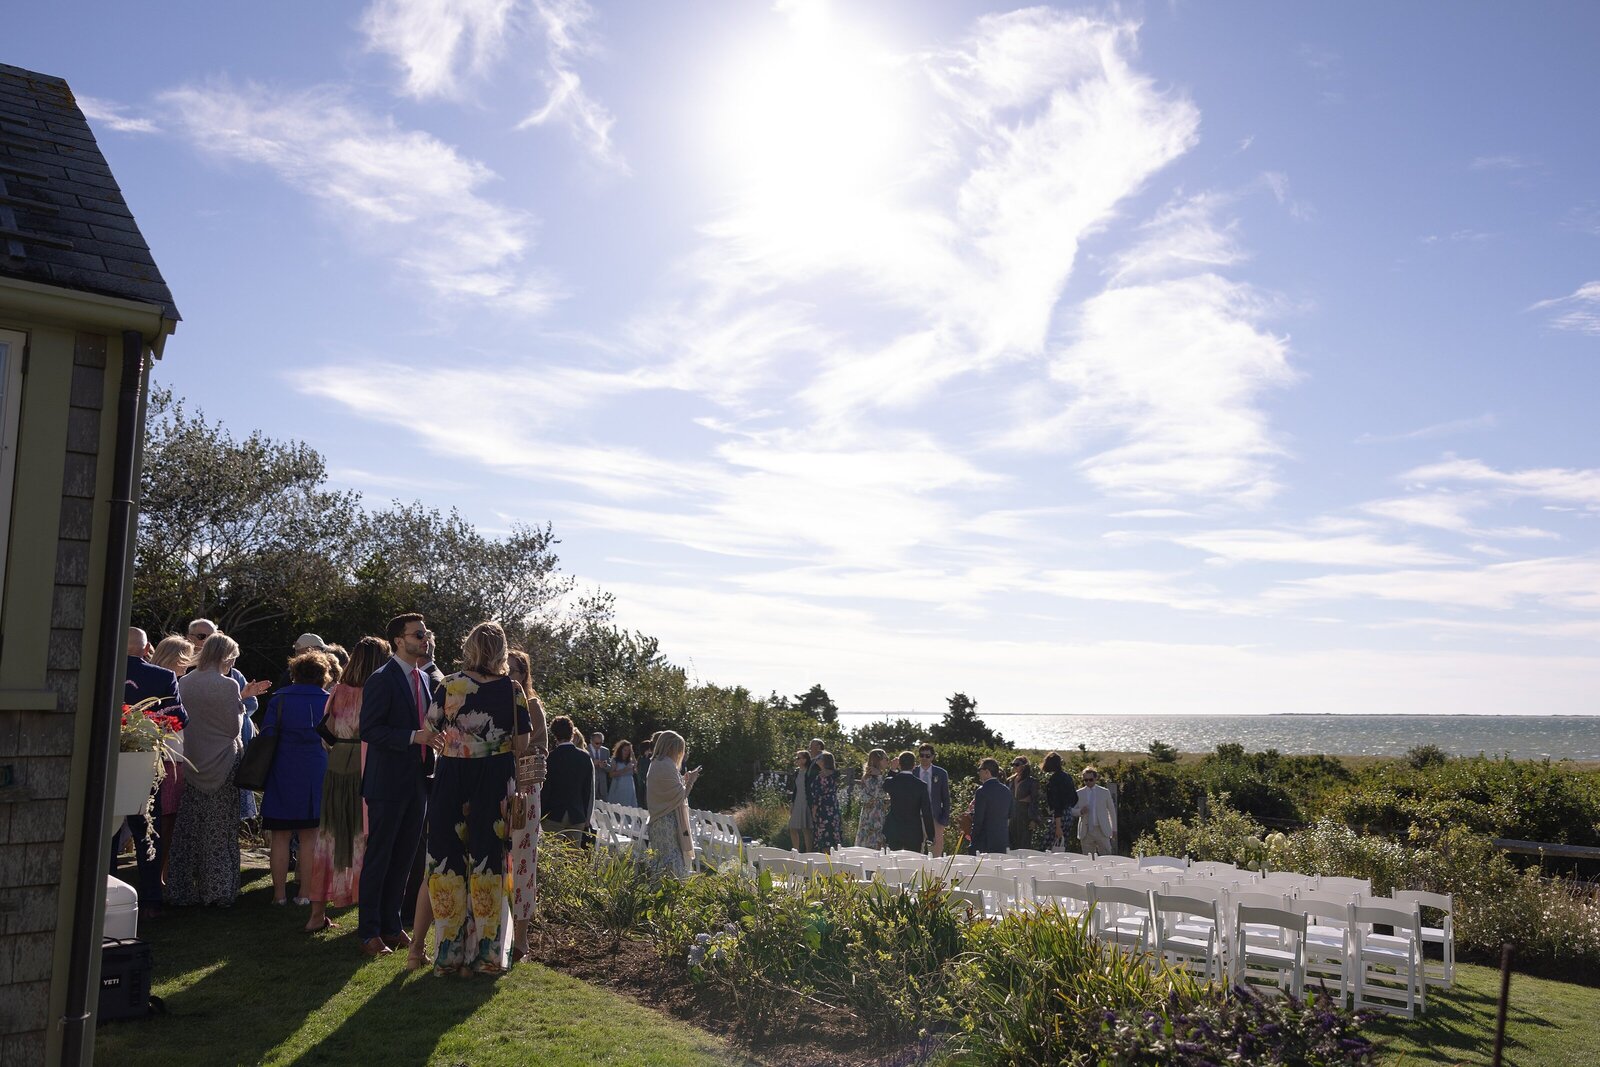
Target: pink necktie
x=422 y=707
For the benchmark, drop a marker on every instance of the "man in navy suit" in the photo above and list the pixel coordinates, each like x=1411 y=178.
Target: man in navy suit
x=991 y=811
x=400 y=749
x=909 y=821
x=938 y=783
x=146 y=680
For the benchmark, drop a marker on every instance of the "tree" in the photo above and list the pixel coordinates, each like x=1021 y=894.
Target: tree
x=961 y=725
x=892 y=735
x=240 y=531
x=816 y=703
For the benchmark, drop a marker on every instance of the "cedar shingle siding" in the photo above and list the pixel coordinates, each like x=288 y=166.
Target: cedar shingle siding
x=64 y=226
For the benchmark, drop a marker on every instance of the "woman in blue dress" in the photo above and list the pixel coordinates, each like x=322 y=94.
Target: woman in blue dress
x=292 y=799
x=621 y=772
x=826 y=820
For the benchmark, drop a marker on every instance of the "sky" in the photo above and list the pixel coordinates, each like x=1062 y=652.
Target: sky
x=1150 y=358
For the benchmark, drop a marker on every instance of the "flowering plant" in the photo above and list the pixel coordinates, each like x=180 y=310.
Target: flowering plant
x=146 y=730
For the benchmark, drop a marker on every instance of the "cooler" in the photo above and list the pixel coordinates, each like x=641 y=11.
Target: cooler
x=121 y=910
x=124 y=979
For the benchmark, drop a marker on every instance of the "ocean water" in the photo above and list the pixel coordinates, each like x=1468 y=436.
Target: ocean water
x=1518 y=736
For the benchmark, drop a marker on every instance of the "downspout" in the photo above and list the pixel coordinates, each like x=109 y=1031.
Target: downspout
x=110 y=668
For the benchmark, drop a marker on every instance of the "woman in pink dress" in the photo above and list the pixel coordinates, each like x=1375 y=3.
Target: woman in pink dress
x=331 y=871
x=522 y=811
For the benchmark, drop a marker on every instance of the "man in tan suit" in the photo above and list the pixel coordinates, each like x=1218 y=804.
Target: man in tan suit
x=1097 y=816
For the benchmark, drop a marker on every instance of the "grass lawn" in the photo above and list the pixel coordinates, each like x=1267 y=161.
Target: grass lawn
x=1548 y=1024
x=245 y=986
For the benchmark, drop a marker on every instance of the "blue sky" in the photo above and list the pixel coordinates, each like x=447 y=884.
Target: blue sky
x=1153 y=358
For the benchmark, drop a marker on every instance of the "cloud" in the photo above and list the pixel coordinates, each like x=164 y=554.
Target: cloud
x=1558 y=484
x=403 y=194
x=1487 y=421
x=1278 y=546
x=1570 y=583
x=568 y=102
x=1579 y=311
x=114 y=116
x=774 y=642
x=1504 y=162
x=438 y=43
x=442 y=45
x=1175 y=369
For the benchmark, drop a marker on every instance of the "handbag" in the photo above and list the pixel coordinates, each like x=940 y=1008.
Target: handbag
x=255 y=766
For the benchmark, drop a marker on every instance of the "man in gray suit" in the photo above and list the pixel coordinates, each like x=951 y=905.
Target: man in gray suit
x=991 y=811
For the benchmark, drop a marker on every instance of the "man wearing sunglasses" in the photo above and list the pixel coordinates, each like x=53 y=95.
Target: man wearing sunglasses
x=1097 y=816
x=400 y=750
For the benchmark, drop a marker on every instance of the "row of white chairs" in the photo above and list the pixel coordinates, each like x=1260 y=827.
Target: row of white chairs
x=1296 y=927
x=620 y=828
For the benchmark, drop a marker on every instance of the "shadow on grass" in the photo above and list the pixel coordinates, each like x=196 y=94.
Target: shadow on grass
x=1453 y=1030
x=401 y=1024
x=236 y=982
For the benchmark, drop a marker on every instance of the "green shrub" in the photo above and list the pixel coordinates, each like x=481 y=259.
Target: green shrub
x=1163 y=752
x=1035 y=988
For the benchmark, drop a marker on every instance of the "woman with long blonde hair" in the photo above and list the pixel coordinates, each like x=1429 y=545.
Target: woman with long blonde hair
x=522 y=808
x=671 y=839
x=481 y=718
x=874 y=801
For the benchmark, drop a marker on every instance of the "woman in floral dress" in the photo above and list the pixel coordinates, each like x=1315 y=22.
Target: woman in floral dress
x=481 y=716
x=332 y=865
x=874 y=801
x=826 y=820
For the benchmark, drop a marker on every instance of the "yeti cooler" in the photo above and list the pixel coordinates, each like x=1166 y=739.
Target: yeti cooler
x=124 y=979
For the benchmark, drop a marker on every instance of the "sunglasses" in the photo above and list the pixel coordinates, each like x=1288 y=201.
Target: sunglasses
x=421 y=635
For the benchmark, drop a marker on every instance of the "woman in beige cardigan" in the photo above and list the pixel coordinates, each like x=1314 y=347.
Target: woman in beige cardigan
x=668 y=790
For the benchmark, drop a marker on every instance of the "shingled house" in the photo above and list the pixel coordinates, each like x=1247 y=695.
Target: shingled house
x=82 y=311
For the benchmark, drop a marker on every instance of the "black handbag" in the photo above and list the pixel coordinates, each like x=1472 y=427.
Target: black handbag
x=256 y=764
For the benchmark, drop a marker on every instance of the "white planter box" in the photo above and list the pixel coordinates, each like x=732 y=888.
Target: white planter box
x=136 y=774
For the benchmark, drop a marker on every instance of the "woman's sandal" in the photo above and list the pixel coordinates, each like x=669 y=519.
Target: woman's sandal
x=326 y=924
x=416 y=957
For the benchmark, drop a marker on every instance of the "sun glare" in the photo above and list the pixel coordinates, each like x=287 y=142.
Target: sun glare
x=810 y=130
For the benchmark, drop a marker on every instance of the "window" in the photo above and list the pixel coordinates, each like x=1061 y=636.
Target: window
x=11 y=349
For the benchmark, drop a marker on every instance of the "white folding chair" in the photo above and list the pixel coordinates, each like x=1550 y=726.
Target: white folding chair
x=1344 y=886
x=1329 y=941
x=1279 y=958
x=1388 y=967
x=1122 y=916
x=789 y=869
x=1075 y=898
x=999 y=890
x=1213 y=868
x=966 y=899
x=1443 y=972
x=1291 y=880
x=1177 y=863
x=1187 y=933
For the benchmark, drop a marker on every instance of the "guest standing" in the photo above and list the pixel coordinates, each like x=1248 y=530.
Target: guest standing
x=647 y=752
x=481 y=719
x=174 y=653
x=909 y=823
x=874 y=801
x=394 y=704
x=198 y=630
x=522 y=815
x=601 y=755
x=292 y=797
x=800 y=803
x=1024 y=802
x=332 y=871
x=204 y=865
x=621 y=774
x=991 y=810
x=1059 y=796
x=1097 y=816
x=827 y=821
x=937 y=782
x=671 y=838
x=148 y=681
x=567 y=799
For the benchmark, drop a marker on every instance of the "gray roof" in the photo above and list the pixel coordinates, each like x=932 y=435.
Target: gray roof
x=63 y=221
